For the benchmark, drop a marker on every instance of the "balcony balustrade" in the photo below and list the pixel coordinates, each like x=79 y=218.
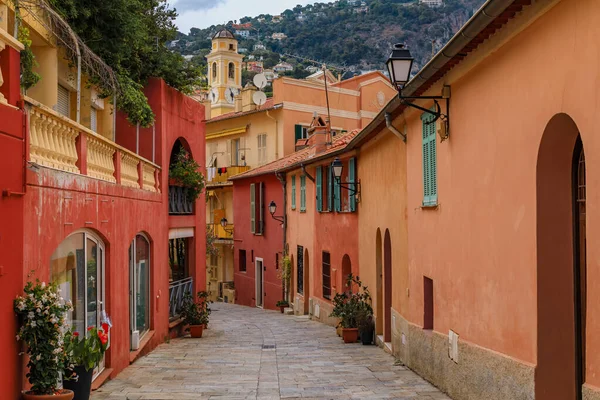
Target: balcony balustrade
x=60 y=143
x=177 y=290
x=179 y=204
x=222 y=233
x=224 y=176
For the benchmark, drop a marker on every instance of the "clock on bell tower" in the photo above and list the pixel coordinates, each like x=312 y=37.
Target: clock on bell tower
x=224 y=72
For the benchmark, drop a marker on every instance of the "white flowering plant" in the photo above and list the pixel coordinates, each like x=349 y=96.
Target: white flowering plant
x=42 y=316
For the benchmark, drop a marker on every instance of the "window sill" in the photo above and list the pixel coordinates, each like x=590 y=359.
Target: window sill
x=133 y=355
x=100 y=379
x=429 y=206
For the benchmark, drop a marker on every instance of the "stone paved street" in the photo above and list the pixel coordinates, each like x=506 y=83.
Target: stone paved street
x=235 y=360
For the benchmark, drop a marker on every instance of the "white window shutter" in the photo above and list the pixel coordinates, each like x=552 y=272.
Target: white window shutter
x=63 y=104
x=252 y=208
x=94 y=119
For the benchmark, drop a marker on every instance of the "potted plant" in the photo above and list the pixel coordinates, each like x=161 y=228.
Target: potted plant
x=83 y=354
x=349 y=305
x=195 y=313
x=41 y=313
x=185 y=171
x=282 y=304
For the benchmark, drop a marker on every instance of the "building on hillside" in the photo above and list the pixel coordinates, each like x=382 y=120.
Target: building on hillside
x=270 y=75
x=87 y=204
x=277 y=18
x=278 y=36
x=224 y=72
x=253 y=135
x=242 y=33
x=432 y=3
x=242 y=50
x=259 y=46
x=255 y=66
x=283 y=67
x=498 y=277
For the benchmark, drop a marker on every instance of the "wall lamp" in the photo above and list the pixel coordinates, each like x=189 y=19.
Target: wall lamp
x=224 y=224
x=399 y=65
x=337 y=168
x=272 y=209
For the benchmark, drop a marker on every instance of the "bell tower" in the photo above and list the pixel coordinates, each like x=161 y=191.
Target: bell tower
x=224 y=72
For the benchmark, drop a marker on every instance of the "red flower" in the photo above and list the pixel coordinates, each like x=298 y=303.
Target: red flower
x=105 y=327
x=90 y=328
x=103 y=338
x=76 y=334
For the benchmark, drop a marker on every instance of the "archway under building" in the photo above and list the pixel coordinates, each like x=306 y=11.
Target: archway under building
x=561 y=262
x=379 y=284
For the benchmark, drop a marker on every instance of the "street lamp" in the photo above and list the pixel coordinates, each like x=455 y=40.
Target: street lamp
x=272 y=209
x=399 y=65
x=224 y=224
x=337 y=168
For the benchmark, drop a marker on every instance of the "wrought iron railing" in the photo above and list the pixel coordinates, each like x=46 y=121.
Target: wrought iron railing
x=176 y=291
x=178 y=201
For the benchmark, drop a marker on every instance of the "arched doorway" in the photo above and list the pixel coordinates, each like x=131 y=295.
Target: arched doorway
x=139 y=289
x=561 y=262
x=307 y=287
x=379 y=285
x=346 y=270
x=387 y=290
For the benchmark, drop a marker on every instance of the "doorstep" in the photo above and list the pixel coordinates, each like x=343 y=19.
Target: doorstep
x=103 y=377
x=387 y=346
x=134 y=355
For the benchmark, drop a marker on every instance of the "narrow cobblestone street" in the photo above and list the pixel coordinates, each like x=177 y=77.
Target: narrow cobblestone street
x=249 y=353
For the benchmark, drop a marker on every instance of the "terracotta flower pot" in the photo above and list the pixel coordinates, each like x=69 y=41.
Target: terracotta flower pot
x=350 y=335
x=196 y=331
x=63 y=394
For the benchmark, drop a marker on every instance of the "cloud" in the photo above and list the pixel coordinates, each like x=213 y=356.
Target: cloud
x=195 y=5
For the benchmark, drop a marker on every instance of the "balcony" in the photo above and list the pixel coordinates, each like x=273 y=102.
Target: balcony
x=222 y=233
x=177 y=290
x=220 y=179
x=179 y=204
x=58 y=142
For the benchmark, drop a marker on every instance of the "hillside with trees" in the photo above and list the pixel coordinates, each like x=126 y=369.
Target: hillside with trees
x=354 y=35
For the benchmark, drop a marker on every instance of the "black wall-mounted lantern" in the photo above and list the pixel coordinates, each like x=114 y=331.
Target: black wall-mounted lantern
x=338 y=168
x=399 y=66
x=272 y=209
x=224 y=224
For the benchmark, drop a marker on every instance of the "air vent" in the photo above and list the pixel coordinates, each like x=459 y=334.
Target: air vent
x=268 y=346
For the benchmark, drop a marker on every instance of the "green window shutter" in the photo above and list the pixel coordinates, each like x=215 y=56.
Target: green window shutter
x=293 y=192
x=319 y=179
x=252 y=208
x=429 y=161
x=329 y=189
x=351 y=179
x=303 y=193
x=298 y=132
x=337 y=195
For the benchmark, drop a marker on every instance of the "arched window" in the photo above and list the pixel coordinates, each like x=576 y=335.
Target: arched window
x=77 y=266
x=139 y=293
x=214 y=70
x=231 y=70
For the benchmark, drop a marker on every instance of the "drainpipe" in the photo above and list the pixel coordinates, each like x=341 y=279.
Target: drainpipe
x=392 y=128
x=284 y=187
x=276 y=135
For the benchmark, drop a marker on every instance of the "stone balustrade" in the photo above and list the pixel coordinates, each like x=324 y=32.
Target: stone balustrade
x=58 y=142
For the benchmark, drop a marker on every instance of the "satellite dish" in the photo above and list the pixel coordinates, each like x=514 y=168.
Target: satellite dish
x=260 y=80
x=259 y=98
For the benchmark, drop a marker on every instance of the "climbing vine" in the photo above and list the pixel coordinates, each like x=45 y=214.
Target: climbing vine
x=29 y=78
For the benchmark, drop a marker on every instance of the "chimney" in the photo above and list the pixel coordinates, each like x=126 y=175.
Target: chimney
x=238 y=103
x=319 y=141
x=247 y=100
x=207 y=109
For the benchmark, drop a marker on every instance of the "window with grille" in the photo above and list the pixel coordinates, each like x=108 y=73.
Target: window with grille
x=94 y=119
x=63 y=105
x=429 y=160
x=262 y=148
x=326 y=275
x=300 y=270
x=242 y=260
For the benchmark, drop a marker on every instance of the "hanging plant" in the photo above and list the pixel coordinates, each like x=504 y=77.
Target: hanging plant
x=29 y=78
x=185 y=171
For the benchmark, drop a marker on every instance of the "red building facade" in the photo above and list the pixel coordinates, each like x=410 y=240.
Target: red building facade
x=258 y=239
x=102 y=230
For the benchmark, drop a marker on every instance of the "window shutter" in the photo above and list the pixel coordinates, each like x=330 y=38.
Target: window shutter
x=229 y=154
x=94 y=119
x=429 y=161
x=351 y=179
x=330 y=179
x=293 y=192
x=303 y=193
x=63 y=105
x=319 y=182
x=298 y=133
x=337 y=195
x=252 y=208
x=261 y=223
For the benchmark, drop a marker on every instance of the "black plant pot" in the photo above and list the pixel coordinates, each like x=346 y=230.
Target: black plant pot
x=82 y=387
x=366 y=335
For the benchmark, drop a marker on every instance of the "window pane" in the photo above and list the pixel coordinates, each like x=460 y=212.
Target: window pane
x=68 y=271
x=92 y=283
x=142 y=289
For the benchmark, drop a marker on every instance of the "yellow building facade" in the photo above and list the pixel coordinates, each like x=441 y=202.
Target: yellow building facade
x=224 y=73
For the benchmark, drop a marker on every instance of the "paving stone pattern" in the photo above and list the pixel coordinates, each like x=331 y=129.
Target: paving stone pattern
x=250 y=353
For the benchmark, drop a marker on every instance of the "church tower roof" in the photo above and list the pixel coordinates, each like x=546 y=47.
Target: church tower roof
x=224 y=33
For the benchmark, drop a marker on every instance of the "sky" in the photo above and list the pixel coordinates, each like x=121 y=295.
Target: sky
x=204 y=13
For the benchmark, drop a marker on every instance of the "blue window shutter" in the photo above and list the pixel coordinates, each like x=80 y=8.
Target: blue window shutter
x=329 y=189
x=303 y=193
x=319 y=182
x=351 y=179
x=293 y=192
x=429 y=161
x=297 y=132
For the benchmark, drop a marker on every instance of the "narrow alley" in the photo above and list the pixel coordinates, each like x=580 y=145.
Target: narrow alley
x=249 y=353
